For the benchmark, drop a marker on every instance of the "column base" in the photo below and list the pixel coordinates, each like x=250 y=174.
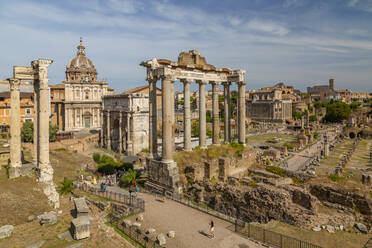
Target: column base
x=14 y=172
x=164 y=173
x=45 y=173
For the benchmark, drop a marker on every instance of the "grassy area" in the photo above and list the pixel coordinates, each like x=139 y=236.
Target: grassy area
x=322 y=238
x=267 y=139
x=184 y=158
x=129 y=239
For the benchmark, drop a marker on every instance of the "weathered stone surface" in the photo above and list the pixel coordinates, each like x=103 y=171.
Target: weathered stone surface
x=150 y=230
x=316 y=228
x=65 y=236
x=126 y=223
x=6 y=231
x=139 y=217
x=161 y=239
x=360 y=227
x=36 y=244
x=171 y=234
x=49 y=218
x=136 y=224
x=330 y=228
x=77 y=245
x=80 y=227
x=81 y=207
x=31 y=218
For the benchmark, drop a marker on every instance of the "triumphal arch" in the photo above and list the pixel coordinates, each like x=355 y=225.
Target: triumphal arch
x=38 y=74
x=190 y=67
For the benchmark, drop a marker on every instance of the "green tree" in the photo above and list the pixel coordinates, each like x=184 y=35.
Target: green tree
x=195 y=128
x=209 y=116
x=27 y=132
x=52 y=132
x=65 y=187
x=131 y=177
x=312 y=118
x=337 y=112
x=296 y=115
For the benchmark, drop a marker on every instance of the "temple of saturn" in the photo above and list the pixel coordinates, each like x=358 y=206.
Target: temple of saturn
x=191 y=67
x=38 y=73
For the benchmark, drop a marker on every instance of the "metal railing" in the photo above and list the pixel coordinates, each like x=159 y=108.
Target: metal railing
x=136 y=234
x=271 y=238
x=129 y=200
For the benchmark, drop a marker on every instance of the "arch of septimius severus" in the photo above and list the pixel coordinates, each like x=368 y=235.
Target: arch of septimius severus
x=38 y=73
x=191 y=67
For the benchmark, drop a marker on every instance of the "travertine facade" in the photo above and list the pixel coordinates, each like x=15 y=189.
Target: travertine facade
x=125 y=127
x=83 y=93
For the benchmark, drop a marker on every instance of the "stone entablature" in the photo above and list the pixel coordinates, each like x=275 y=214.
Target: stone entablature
x=270 y=111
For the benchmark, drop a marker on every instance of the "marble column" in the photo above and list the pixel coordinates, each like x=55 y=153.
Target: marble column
x=35 y=154
x=215 y=114
x=202 y=116
x=15 y=129
x=241 y=92
x=153 y=134
x=43 y=123
x=173 y=118
x=227 y=122
x=167 y=138
x=120 y=132
x=186 y=116
x=108 y=130
x=102 y=128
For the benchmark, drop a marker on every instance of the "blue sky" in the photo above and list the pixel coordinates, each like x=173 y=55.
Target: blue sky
x=299 y=42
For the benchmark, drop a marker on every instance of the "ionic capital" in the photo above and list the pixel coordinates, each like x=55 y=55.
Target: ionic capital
x=214 y=83
x=226 y=84
x=14 y=84
x=241 y=83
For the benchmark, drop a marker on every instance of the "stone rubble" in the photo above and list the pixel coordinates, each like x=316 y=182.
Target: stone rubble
x=6 y=231
x=48 y=218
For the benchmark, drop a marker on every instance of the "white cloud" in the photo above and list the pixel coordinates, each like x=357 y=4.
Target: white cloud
x=365 y=5
x=267 y=27
x=357 y=32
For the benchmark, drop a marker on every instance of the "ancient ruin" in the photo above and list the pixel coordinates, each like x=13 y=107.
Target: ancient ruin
x=38 y=73
x=190 y=67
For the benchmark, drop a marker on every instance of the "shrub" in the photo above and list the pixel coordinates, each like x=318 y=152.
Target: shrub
x=145 y=150
x=316 y=135
x=27 y=133
x=107 y=169
x=4 y=135
x=65 y=187
x=289 y=146
x=276 y=170
x=335 y=178
x=97 y=158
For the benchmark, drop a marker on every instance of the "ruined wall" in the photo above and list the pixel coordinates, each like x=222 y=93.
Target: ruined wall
x=260 y=203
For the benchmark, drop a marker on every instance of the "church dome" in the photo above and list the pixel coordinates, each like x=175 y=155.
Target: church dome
x=81 y=67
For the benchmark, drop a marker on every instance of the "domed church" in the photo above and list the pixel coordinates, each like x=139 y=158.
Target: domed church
x=83 y=93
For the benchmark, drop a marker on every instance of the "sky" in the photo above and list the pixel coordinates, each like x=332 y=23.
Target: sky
x=298 y=42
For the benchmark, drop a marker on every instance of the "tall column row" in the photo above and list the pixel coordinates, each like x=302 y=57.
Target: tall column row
x=168 y=142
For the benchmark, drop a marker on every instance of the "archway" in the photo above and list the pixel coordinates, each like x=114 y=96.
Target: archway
x=115 y=135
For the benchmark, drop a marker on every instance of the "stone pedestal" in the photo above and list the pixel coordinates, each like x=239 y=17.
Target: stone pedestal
x=15 y=129
x=164 y=174
x=80 y=227
x=81 y=207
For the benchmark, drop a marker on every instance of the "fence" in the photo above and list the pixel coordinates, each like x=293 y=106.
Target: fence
x=115 y=196
x=136 y=234
x=272 y=238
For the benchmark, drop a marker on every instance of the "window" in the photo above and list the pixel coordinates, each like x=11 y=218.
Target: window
x=28 y=111
x=86 y=95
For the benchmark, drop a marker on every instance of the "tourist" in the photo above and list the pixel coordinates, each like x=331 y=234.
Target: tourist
x=104 y=187
x=212 y=229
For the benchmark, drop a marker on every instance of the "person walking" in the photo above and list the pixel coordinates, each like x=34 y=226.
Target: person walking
x=212 y=229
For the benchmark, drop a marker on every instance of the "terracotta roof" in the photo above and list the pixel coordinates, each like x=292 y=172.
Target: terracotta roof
x=57 y=86
x=139 y=88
